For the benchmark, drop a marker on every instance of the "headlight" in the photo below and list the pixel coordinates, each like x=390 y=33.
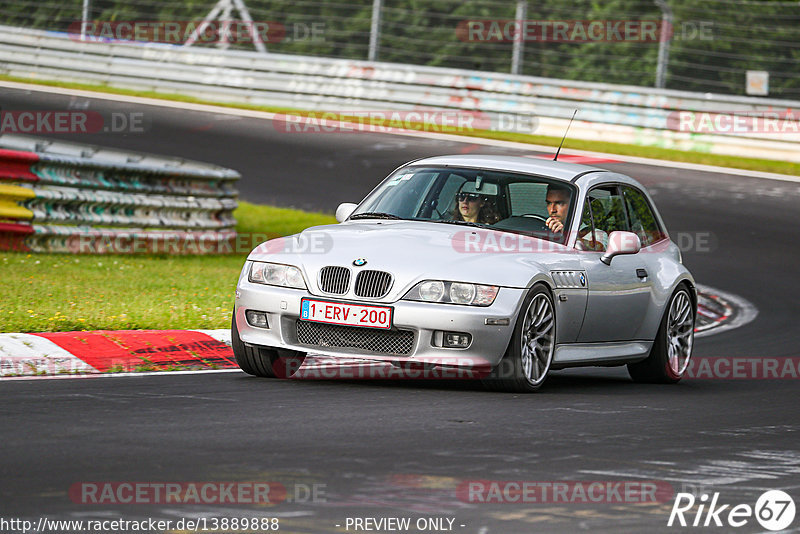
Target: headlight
x=462 y=293
x=432 y=290
x=276 y=274
x=453 y=293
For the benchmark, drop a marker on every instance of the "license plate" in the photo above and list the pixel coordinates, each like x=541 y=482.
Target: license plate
x=323 y=311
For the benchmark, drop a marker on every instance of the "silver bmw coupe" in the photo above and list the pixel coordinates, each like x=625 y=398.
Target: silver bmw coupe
x=508 y=266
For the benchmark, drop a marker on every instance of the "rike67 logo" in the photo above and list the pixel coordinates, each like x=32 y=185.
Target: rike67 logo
x=774 y=510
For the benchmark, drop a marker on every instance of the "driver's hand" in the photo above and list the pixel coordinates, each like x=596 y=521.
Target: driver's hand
x=554 y=225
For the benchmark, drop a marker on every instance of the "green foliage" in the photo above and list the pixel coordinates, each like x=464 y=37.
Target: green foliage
x=755 y=36
x=714 y=42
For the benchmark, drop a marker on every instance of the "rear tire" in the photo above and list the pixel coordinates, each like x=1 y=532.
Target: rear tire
x=527 y=360
x=264 y=362
x=672 y=348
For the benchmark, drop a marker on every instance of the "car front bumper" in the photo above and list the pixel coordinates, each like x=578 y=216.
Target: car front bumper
x=426 y=320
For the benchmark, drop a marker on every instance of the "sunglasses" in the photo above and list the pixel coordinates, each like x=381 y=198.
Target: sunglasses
x=471 y=197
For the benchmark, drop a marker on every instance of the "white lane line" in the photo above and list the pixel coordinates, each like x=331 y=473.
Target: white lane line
x=207 y=108
x=97 y=374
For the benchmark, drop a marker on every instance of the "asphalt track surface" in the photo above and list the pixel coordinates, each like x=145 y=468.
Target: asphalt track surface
x=388 y=449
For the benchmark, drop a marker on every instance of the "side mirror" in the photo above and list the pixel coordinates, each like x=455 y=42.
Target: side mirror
x=621 y=243
x=345 y=210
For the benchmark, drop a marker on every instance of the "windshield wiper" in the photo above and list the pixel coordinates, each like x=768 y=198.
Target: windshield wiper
x=463 y=223
x=375 y=215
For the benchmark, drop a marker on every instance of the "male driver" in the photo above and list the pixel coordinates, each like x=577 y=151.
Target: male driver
x=557 y=207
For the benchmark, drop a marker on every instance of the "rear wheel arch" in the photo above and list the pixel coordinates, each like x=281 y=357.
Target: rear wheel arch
x=674 y=342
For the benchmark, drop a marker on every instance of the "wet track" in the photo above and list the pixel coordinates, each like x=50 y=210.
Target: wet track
x=387 y=449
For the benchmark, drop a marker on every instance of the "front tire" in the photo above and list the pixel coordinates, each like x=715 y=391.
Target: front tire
x=672 y=348
x=264 y=362
x=527 y=360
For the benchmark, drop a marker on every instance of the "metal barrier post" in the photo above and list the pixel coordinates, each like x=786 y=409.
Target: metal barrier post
x=519 y=41
x=84 y=19
x=663 y=43
x=375 y=30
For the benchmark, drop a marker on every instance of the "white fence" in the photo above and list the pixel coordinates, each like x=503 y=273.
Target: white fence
x=624 y=114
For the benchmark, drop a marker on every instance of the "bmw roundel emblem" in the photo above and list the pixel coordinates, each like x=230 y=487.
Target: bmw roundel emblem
x=359 y=262
x=583 y=279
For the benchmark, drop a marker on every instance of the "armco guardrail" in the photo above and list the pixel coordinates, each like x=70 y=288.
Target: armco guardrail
x=65 y=197
x=624 y=114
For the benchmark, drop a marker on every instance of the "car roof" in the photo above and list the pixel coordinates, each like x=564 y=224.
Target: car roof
x=522 y=164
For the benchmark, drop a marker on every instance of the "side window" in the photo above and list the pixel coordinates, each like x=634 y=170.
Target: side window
x=643 y=222
x=608 y=209
x=593 y=217
x=588 y=237
x=586 y=217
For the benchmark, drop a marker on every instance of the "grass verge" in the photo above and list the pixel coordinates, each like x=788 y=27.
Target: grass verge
x=62 y=292
x=655 y=152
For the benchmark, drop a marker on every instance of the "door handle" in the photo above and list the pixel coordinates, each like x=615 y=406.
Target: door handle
x=641 y=273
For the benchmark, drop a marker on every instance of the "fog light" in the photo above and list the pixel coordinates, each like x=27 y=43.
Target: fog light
x=256 y=318
x=457 y=340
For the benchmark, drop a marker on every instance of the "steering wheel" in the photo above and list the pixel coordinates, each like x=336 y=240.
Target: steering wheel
x=534 y=216
x=435 y=208
x=539 y=218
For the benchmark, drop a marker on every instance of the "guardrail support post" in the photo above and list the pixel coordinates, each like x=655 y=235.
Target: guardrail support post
x=84 y=19
x=519 y=41
x=375 y=30
x=665 y=36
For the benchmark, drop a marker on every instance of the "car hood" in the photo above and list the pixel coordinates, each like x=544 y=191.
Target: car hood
x=416 y=250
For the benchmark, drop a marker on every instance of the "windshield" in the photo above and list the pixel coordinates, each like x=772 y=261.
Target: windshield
x=475 y=197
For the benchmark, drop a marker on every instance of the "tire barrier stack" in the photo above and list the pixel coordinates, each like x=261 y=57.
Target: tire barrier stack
x=65 y=197
x=521 y=104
